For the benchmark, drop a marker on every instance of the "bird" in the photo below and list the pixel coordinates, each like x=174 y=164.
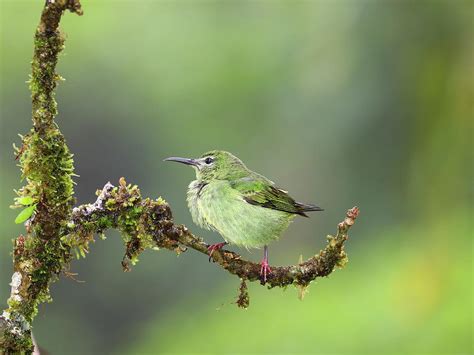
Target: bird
x=244 y=207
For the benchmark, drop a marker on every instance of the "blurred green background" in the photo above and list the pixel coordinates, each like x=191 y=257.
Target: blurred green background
x=341 y=102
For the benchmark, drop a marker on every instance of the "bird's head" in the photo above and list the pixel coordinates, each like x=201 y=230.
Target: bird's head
x=215 y=165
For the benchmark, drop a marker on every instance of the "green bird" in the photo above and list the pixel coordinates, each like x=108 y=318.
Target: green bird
x=244 y=207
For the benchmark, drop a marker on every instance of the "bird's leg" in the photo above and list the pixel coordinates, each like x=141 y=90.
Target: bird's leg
x=265 y=268
x=213 y=247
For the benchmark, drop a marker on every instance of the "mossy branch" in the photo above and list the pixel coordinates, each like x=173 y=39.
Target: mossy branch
x=47 y=167
x=54 y=230
x=146 y=223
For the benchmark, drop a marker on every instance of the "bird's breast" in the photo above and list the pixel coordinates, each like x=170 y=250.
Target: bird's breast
x=196 y=190
x=217 y=206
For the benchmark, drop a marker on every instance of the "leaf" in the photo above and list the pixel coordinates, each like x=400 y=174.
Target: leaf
x=25 y=214
x=25 y=200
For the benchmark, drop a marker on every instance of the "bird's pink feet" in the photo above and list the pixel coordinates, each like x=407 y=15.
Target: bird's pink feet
x=213 y=247
x=265 y=269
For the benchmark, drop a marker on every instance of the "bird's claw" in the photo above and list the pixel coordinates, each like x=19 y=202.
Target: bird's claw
x=265 y=269
x=213 y=247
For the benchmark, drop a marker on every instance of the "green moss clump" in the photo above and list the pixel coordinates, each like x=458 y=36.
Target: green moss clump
x=141 y=222
x=47 y=167
x=12 y=343
x=243 y=299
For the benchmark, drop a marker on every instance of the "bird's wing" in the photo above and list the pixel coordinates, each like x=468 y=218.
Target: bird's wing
x=261 y=192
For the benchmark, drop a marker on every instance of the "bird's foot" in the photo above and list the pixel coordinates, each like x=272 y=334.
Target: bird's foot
x=264 y=269
x=213 y=247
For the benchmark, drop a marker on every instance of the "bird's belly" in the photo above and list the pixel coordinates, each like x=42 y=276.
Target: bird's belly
x=236 y=220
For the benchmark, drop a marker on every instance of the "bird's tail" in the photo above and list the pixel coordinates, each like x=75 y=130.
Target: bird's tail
x=307 y=207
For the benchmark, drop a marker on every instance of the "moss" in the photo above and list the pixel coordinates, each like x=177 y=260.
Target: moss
x=43 y=81
x=16 y=344
x=47 y=167
x=243 y=299
x=142 y=222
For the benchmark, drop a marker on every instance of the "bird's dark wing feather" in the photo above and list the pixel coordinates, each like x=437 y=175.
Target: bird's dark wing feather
x=261 y=192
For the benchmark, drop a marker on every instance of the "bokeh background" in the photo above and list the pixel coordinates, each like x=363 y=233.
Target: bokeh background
x=341 y=102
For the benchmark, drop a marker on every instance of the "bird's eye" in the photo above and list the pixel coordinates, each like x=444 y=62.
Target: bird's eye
x=208 y=160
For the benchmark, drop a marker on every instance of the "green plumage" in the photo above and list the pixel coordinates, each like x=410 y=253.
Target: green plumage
x=244 y=207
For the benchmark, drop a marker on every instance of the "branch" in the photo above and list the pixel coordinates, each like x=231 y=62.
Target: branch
x=47 y=167
x=146 y=223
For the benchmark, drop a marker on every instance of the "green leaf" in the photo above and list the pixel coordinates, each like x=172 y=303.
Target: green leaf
x=25 y=200
x=25 y=214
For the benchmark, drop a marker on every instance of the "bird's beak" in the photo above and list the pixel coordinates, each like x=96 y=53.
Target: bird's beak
x=186 y=161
